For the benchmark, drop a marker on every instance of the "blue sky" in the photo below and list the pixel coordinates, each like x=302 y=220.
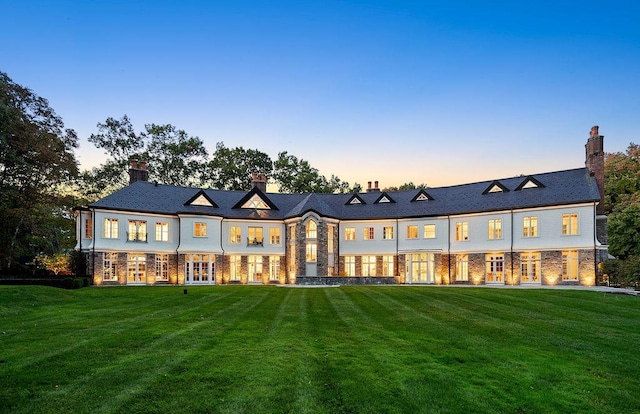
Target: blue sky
x=444 y=92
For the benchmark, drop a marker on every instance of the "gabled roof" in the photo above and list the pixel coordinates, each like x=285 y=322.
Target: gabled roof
x=529 y=182
x=256 y=199
x=496 y=187
x=560 y=188
x=384 y=198
x=201 y=199
x=355 y=200
x=422 y=195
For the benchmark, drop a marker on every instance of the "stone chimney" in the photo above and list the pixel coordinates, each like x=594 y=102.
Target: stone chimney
x=259 y=181
x=594 y=162
x=138 y=171
x=372 y=189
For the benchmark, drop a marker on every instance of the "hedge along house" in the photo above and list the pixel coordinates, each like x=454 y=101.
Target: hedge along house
x=542 y=229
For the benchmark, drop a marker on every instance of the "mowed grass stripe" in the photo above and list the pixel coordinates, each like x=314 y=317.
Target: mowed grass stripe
x=348 y=349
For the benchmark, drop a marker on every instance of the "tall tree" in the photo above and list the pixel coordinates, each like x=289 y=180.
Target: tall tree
x=37 y=164
x=232 y=168
x=173 y=157
x=621 y=176
x=295 y=175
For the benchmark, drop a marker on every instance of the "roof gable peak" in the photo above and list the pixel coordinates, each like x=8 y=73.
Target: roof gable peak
x=201 y=199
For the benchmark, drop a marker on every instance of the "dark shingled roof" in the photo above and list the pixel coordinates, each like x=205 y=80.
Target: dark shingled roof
x=560 y=187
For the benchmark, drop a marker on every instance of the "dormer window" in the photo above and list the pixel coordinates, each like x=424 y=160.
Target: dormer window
x=496 y=187
x=529 y=182
x=384 y=198
x=355 y=200
x=201 y=199
x=422 y=195
x=256 y=202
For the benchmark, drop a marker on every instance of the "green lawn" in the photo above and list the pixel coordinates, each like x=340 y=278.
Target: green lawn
x=350 y=349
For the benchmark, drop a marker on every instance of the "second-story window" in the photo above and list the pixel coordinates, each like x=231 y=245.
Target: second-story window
x=412 y=232
x=137 y=231
x=429 y=231
x=530 y=226
x=88 y=228
x=462 y=231
x=110 y=228
x=495 y=229
x=162 y=231
x=388 y=233
x=235 y=235
x=350 y=233
x=369 y=233
x=274 y=235
x=255 y=236
x=199 y=229
x=570 y=224
x=312 y=230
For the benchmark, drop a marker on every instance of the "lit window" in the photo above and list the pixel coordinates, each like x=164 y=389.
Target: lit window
x=530 y=267
x=530 y=227
x=292 y=234
x=369 y=233
x=200 y=229
x=388 y=233
x=570 y=265
x=330 y=234
x=162 y=232
x=462 y=267
x=136 y=268
x=368 y=265
x=235 y=263
x=387 y=265
x=312 y=230
x=235 y=235
x=274 y=268
x=570 y=224
x=198 y=268
x=494 y=268
x=201 y=200
x=462 y=231
x=88 y=228
x=350 y=233
x=419 y=268
x=495 y=229
x=255 y=236
x=274 y=235
x=110 y=228
x=429 y=231
x=312 y=252
x=412 y=232
x=162 y=267
x=137 y=231
x=349 y=265
x=256 y=202
x=109 y=273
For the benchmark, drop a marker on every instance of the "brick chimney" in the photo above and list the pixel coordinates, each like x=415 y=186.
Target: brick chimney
x=595 y=162
x=138 y=171
x=372 y=189
x=259 y=181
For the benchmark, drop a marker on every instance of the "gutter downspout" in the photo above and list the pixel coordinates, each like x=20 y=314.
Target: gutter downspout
x=93 y=252
x=512 y=282
x=221 y=248
x=177 y=251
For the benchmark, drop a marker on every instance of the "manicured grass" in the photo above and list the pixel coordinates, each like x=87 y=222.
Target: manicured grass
x=351 y=349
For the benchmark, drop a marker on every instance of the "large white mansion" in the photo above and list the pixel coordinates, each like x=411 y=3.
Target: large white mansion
x=544 y=229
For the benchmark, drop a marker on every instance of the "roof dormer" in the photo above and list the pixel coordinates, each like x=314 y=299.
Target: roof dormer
x=257 y=200
x=496 y=187
x=422 y=195
x=201 y=199
x=355 y=200
x=384 y=198
x=529 y=182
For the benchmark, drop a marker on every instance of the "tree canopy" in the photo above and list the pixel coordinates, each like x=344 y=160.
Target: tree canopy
x=37 y=167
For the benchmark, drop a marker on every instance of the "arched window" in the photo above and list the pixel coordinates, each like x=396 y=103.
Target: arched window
x=312 y=230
